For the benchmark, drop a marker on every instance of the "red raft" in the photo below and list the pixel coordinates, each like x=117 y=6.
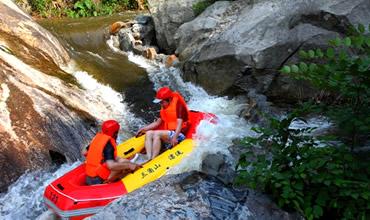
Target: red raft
x=69 y=197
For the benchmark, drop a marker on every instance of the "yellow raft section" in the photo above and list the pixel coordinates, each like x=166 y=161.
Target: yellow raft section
x=155 y=168
x=130 y=147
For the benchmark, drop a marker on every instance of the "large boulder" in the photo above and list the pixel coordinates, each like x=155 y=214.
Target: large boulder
x=192 y=196
x=168 y=16
x=22 y=34
x=43 y=119
x=236 y=46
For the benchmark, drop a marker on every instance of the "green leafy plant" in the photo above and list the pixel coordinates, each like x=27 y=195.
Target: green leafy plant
x=80 y=8
x=345 y=73
x=315 y=176
x=84 y=8
x=326 y=182
x=38 y=5
x=199 y=7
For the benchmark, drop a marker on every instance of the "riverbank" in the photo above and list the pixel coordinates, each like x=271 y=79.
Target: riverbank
x=40 y=9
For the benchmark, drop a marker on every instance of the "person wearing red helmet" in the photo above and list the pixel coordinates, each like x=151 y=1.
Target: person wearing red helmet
x=102 y=163
x=173 y=120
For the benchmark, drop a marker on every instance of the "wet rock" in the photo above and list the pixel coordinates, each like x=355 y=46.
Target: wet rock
x=115 y=41
x=216 y=165
x=161 y=58
x=20 y=33
x=168 y=16
x=144 y=19
x=138 y=42
x=139 y=50
x=145 y=31
x=116 y=26
x=171 y=60
x=150 y=53
x=258 y=107
x=236 y=46
x=138 y=36
x=126 y=40
x=192 y=196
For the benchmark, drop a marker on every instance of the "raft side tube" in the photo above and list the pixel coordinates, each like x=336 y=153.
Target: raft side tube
x=158 y=167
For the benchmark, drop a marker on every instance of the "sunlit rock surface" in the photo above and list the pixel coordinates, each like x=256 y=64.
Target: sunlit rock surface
x=168 y=16
x=236 y=46
x=28 y=40
x=192 y=196
x=40 y=115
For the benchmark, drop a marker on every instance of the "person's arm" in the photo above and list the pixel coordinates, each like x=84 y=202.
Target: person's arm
x=177 y=132
x=150 y=126
x=114 y=165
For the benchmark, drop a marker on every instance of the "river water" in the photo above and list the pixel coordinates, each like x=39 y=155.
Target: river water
x=105 y=72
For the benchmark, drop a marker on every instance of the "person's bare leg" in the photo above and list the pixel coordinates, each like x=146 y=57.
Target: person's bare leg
x=158 y=136
x=149 y=143
x=118 y=174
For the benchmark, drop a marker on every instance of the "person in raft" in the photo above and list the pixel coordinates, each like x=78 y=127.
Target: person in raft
x=173 y=120
x=102 y=163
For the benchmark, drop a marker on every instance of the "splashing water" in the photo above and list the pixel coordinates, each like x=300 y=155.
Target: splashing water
x=119 y=109
x=210 y=138
x=24 y=199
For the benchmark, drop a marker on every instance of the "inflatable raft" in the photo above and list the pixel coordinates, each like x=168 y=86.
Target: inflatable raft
x=69 y=197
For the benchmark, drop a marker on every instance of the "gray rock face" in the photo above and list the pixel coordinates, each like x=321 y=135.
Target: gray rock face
x=19 y=31
x=168 y=16
x=233 y=47
x=137 y=36
x=192 y=196
x=216 y=165
x=126 y=40
x=42 y=118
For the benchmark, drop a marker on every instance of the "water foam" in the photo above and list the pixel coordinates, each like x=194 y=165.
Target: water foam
x=210 y=138
x=24 y=199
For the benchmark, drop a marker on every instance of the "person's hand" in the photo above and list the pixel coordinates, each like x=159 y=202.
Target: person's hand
x=134 y=166
x=140 y=132
x=174 y=141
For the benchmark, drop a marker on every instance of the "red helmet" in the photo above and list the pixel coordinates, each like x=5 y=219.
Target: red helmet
x=110 y=127
x=163 y=93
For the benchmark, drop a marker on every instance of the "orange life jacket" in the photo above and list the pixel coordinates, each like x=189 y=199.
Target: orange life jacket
x=169 y=116
x=95 y=165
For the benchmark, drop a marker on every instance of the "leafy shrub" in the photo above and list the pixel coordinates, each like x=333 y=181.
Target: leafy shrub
x=316 y=176
x=84 y=8
x=128 y=4
x=81 y=8
x=42 y=6
x=319 y=182
x=345 y=73
x=199 y=7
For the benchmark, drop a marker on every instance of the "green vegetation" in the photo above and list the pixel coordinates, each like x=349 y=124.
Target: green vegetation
x=79 y=8
x=320 y=177
x=199 y=7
